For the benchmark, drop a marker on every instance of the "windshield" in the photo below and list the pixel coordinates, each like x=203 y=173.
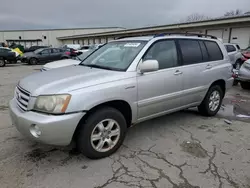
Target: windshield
x=116 y=55
x=84 y=55
x=39 y=50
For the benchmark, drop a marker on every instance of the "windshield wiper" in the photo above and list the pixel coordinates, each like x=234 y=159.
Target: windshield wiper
x=101 y=67
x=97 y=66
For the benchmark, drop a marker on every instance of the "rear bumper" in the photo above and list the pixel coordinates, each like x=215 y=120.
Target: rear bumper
x=55 y=130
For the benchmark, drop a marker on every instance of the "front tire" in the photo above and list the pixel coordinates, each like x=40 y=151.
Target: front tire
x=33 y=61
x=245 y=85
x=212 y=101
x=2 y=63
x=102 y=133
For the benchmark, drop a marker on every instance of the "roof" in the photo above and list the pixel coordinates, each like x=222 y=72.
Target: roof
x=56 y=29
x=143 y=38
x=209 y=22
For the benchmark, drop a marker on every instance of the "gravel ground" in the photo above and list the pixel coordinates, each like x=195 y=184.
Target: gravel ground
x=180 y=150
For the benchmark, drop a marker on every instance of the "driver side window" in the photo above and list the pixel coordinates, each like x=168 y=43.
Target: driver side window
x=45 y=52
x=164 y=52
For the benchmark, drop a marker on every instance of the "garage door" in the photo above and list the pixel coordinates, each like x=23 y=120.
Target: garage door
x=217 y=33
x=241 y=36
x=91 y=41
x=103 y=40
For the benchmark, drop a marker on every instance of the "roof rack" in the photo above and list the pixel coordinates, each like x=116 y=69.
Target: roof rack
x=186 y=34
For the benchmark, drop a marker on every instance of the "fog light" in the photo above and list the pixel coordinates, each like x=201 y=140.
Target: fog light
x=35 y=131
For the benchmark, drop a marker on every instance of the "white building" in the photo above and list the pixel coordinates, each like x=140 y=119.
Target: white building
x=235 y=29
x=47 y=37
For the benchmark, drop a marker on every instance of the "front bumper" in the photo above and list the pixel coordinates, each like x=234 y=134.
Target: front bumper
x=55 y=129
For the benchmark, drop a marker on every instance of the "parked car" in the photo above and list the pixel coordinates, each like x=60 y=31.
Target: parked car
x=75 y=60
x=44 y=55
x=74 y=46
x=71 y=52
x=33 y=48
x=125 y=82
x=235 y=54
x=243 y=75
x=7 y=55
x=86 y=48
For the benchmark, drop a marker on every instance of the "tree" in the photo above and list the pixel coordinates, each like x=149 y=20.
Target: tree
x=196 y=17
x=233 y=12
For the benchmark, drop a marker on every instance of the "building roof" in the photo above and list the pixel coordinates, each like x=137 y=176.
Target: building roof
x=208 y=22
x=62 y=29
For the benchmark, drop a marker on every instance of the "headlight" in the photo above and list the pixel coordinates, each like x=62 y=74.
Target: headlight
x=54 y=104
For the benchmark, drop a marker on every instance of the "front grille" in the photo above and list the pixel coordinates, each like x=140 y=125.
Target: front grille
x=22 y=98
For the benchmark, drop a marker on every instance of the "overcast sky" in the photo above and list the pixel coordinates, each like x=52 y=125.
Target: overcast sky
x=37 y=14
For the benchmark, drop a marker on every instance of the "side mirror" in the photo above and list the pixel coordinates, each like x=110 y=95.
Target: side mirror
x=149 y=66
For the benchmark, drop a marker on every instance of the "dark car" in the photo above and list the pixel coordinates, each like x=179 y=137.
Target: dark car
x=33 y=48
x=6 y=55
x=44 y=55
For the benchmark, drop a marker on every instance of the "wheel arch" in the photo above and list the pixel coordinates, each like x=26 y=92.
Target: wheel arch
x=221 y=83
x=120 y=105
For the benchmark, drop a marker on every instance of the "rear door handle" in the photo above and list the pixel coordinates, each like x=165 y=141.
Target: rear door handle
x=208 y=66
x=177 y=72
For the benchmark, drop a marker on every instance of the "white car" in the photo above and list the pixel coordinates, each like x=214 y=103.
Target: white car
x=234 y=54
x=66 y=62
x=60 y=63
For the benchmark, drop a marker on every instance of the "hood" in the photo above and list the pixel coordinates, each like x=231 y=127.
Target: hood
x=66 y=79
x=61 y=63
x=27 y=54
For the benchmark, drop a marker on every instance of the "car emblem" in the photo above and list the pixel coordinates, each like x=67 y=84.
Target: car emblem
x=18 y=96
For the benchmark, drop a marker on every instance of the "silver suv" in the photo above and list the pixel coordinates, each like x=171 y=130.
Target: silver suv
x=125 y=82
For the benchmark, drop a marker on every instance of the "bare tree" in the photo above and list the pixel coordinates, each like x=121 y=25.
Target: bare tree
x=233 y=12
x=196 y=17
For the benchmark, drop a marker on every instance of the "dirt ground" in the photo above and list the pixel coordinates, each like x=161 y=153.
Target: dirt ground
x=180 y=150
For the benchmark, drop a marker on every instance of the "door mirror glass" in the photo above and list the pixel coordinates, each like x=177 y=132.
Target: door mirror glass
x=149 y=66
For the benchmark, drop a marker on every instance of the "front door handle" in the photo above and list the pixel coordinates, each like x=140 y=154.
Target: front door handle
x=208 y=66
x=177 y=72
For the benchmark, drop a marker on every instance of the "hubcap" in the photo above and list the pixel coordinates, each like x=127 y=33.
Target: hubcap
x=105 y=135
x=214 y=101
x=1 y=62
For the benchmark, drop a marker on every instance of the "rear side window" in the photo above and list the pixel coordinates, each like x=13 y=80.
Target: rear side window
x=191 y=52
x=237 y=46
x=230 y=48
x=214 y=51
x=204 y=51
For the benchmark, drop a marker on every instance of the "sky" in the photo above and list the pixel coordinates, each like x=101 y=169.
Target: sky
x=45 y=14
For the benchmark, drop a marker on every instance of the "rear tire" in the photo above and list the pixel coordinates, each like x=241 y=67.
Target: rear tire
x=94 y=137
x=235 y=83
x=212 y=102
x=245 y=85
x=33 y=61
x=2 y=63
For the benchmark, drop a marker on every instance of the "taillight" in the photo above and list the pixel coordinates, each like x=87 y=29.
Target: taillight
x=67 y=53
